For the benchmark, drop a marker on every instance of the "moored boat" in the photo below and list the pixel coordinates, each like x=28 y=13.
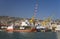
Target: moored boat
x=40 y=28
x=12 y=28
x=22 y=29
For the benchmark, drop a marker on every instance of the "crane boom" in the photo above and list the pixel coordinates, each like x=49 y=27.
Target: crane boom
x=36 y=8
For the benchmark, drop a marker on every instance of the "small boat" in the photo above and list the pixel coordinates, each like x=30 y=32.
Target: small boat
x=40 y=28
x=57 y=28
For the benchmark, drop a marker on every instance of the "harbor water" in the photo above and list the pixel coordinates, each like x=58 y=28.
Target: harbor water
x=28 y=35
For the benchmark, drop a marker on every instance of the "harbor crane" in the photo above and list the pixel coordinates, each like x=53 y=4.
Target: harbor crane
x=35 y=11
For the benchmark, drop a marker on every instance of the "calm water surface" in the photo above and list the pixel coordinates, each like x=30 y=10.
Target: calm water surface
x=29 y=35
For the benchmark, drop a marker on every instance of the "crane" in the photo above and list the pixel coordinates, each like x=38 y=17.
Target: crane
x=46 y=21
x=32 y=20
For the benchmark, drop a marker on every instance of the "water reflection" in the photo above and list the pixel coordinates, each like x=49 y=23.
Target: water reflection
x=28 y=35
x=58 y=35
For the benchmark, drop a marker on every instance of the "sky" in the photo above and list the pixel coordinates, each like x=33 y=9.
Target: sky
x=25 y=8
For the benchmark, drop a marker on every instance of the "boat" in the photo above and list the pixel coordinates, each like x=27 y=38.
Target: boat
x=40 y=28
x=57 y=28
x=22 y=28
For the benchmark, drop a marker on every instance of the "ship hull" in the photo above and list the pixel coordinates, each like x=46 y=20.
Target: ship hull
x=22 y=30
